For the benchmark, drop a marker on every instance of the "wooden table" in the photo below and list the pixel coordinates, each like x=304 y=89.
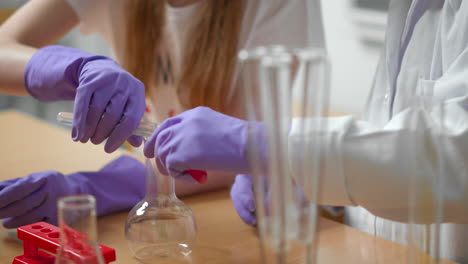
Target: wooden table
x=29 y=145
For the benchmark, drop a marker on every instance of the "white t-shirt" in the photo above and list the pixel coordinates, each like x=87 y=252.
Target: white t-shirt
x=266 y=22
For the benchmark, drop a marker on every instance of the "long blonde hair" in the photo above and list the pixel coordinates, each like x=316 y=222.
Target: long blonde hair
x=209 y=59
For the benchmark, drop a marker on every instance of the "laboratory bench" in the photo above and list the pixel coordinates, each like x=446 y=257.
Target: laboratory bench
x=28 y=145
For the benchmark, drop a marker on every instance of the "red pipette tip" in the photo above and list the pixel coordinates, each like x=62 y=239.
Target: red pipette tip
x=198 y=175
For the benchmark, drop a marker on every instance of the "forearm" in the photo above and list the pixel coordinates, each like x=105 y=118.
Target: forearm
x=13 y=60
x=36 y=24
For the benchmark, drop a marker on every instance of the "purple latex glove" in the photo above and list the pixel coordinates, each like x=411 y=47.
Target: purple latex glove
x=109 y=102
x=242 y=197
x=117 y=186
x=200 y=139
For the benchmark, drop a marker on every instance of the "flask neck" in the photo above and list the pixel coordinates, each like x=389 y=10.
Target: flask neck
x=156 y=183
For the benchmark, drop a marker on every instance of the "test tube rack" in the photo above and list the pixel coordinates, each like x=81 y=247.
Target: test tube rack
x=42 y=235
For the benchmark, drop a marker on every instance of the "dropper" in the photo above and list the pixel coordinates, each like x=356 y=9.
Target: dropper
x=145 y=130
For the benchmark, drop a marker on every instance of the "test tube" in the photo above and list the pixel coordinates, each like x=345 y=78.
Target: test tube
x=249 y=80
x=265 y=81
x=427 y=170
x=275 y=87
x=284 y=213
x=310 y=110
x=144 y=129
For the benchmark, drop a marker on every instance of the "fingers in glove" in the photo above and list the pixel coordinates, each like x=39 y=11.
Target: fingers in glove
x=97 y=106
x=135 y=141
x=132 y=115
x=20 y=189
x=80 y=112
x=178 y=170
x=249 y=218
x=245 y=201
x=151 y=142
x=94 y=115
x=32 y=216
x=163 y=150
x=109 y=119
x=243 y=188
x=246 y=215
x=7 y=183
x=22 y=206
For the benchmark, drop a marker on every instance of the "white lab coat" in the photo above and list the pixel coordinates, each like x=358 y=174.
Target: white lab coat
x=367 y=161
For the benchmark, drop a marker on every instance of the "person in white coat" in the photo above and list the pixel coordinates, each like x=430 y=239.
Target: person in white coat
x=369 y=161
x=426 y=51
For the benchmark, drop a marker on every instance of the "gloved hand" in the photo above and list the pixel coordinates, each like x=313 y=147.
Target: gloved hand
x=200 y=139
x=109 y=102
x=242 y=197
x=117 y=186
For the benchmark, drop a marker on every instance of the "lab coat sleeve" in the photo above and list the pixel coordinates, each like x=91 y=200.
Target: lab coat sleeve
x=374 y=167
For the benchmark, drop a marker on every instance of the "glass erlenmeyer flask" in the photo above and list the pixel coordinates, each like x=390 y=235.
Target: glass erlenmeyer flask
x=78 y=236
x=160 y=225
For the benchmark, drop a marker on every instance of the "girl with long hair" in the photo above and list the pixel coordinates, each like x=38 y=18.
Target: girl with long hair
x=168 y=56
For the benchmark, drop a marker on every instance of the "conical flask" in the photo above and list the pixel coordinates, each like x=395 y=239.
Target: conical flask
x=161 y=225
x=78 y=235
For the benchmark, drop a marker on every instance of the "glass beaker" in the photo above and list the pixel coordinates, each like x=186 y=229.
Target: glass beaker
x=78 y=236
x=160 y=225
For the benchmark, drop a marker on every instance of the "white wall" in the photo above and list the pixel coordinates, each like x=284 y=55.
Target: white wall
x=353 y=61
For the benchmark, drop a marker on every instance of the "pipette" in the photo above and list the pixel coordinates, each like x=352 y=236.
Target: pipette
x=145 y=130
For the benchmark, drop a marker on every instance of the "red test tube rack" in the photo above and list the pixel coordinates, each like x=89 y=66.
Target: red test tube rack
x=45 y=236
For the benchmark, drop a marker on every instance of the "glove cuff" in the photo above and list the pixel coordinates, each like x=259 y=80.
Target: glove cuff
x=53 y=71
x=118 y=186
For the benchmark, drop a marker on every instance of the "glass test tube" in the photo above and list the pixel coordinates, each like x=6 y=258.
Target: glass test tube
x=265 y=79
x=286 y=207
x=275 y=87
x=250 y=61
x=144 y=129
x=310 y=108
x=427 y=171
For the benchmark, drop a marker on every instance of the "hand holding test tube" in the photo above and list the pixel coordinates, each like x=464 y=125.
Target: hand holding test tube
x=144 y=129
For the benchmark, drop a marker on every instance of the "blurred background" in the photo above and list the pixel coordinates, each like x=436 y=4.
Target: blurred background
x=31 y=106
x=355 y=33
